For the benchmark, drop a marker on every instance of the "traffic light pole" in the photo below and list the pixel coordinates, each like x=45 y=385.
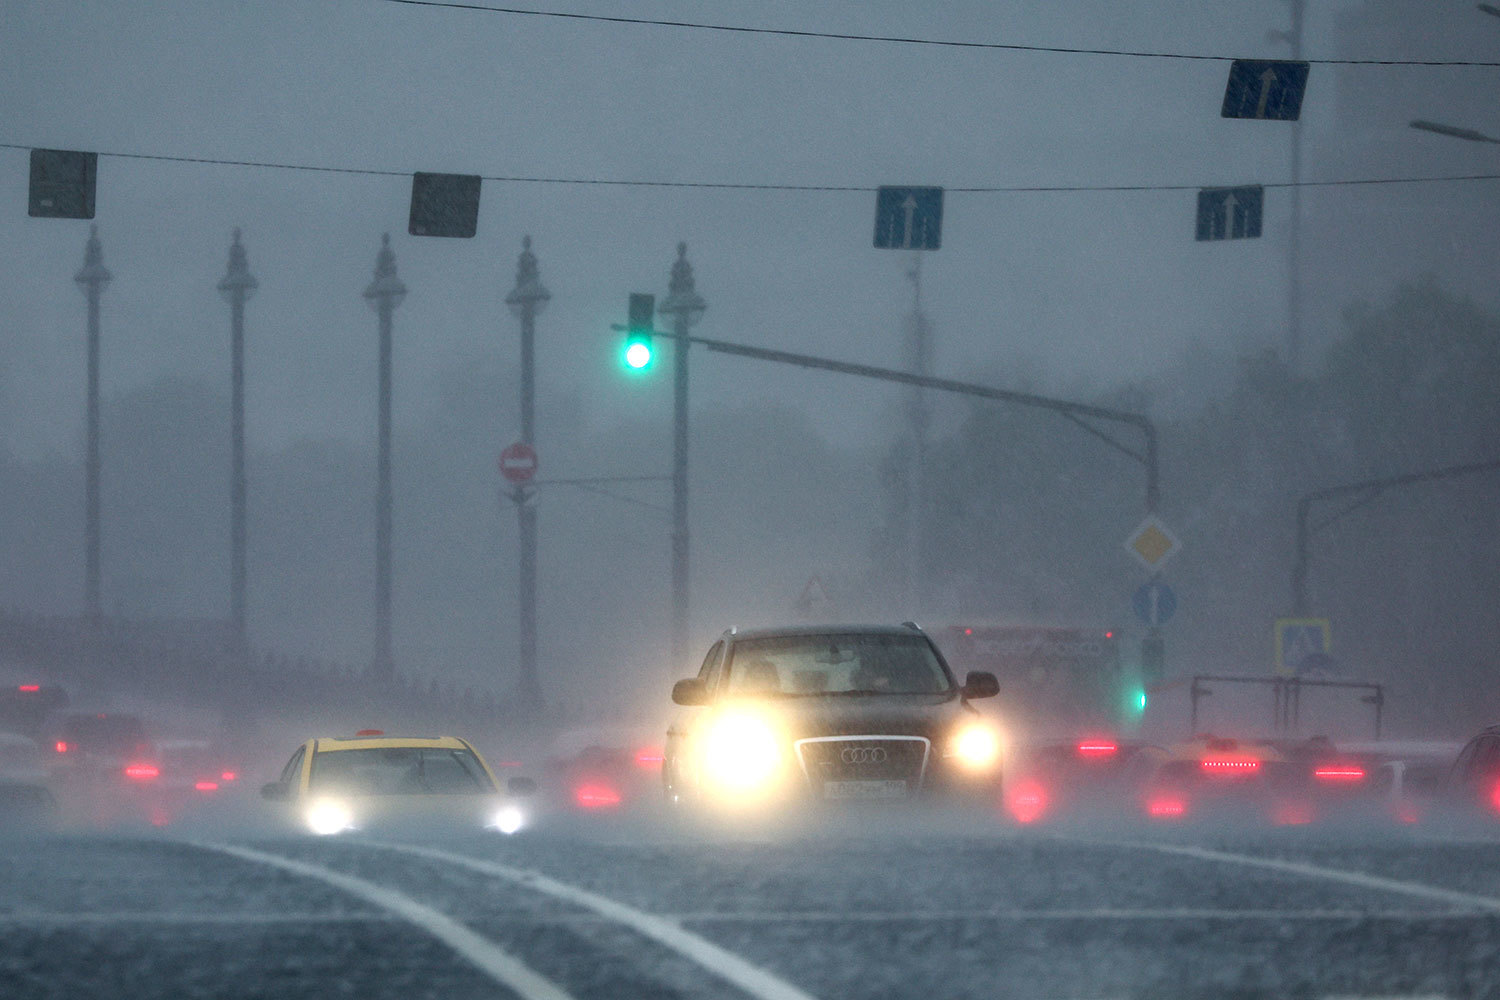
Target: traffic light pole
x=1078 y=413
x=680 y=549
x=1372 y=489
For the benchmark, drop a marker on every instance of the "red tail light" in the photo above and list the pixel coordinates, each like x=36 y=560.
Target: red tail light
x=207 y=786
x=596 y=796
x=230 y=776
x=61 y=746
x=370 y=732
x=1027 y=801
x=1495 y=797
x=1342 y=773
x=28 y=688
x=1166 y=807
x=142 y=772
x=1230 y=766
x=1097 y=748
x=649 y=758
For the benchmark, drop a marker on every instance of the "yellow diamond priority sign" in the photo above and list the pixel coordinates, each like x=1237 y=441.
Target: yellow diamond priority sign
x=1152 y=544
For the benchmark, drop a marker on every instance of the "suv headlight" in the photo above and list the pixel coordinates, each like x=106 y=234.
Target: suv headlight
x=976 y=746
x=740 y=753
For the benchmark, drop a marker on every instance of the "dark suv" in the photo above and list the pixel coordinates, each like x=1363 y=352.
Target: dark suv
x=828 y=712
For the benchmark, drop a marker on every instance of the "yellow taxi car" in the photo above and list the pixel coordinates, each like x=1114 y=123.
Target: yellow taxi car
x=335 y=784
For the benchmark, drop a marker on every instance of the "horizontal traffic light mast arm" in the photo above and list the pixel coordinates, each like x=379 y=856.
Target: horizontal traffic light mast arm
x=1076 y=412
x=1370 y=490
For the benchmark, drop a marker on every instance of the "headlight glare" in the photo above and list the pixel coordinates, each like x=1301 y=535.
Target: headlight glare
x=507 y=819
x=740 y=753
x=329 y=816
x=976 y=746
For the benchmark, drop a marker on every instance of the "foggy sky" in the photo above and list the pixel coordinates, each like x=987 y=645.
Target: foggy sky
x=1075 y=293
x=1077 y=289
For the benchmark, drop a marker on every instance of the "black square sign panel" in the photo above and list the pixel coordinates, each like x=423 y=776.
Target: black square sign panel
x=444 y=205
x=62 y=184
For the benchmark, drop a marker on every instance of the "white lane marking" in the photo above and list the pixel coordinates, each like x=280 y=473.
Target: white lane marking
x=725 y=964
x=52 y=918
x=1417 y=890
x=897 y=916
x=484 y=955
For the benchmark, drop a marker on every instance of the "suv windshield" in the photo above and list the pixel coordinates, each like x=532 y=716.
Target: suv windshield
x=399 y=771
x=809 y=665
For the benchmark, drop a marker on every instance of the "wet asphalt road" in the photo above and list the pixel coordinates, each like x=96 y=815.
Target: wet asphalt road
x=835 y=910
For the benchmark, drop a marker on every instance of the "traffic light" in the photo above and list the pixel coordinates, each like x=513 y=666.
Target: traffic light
x=62 y=184
x=638 y=331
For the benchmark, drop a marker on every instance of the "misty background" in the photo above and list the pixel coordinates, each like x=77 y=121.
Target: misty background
x=1098 y=296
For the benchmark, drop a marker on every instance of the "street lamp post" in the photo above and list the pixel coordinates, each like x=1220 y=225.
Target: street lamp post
x=92 y=278
x=526 y=301
x=384 y=294
x=686 y=307
x=237 y=286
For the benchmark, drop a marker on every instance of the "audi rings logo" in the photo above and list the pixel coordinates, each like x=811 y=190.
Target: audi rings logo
x=863 y=755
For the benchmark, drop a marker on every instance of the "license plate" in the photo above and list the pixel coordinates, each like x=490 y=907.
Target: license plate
x=864 y=789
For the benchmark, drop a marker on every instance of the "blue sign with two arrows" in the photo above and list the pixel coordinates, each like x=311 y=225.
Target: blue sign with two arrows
x=1230 y=213
x=1265 y=89
x=1155 y=603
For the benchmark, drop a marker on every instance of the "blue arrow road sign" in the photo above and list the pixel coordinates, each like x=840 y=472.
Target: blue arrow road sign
x=1230 y=213
x=1265 y=89
x=908 y=218
x=1155 y=603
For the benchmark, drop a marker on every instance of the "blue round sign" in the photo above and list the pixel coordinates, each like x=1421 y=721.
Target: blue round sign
x=1155 y=603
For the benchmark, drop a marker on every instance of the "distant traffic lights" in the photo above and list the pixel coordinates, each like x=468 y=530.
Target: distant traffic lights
x=62 y=184
x=638 y=330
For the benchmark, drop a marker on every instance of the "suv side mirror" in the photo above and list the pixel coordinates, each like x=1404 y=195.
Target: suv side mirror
x=275 y=791
x=980 y=684
x=521 y=786
x=690 y=691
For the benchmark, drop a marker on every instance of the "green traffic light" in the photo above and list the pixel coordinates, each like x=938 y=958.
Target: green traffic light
x=637 y=353
x=1140 y=701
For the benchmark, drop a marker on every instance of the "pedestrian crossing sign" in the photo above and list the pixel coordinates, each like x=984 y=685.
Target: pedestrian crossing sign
x=1297 y=639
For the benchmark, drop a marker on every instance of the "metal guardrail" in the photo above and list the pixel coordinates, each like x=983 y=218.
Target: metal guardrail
x=1286 y=693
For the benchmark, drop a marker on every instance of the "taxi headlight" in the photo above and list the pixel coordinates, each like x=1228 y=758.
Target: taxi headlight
x=976 y=747
x=740 y=753
x=329 y=816
x=507 y=819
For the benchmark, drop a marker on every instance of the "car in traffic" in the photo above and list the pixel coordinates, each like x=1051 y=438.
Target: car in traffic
x=1075 y=778
x=829 y=713
x=103 y=766
x=603 y=769
x=337 y=784
x=25 y=792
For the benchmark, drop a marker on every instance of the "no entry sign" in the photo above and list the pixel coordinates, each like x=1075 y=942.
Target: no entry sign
x=518 y=462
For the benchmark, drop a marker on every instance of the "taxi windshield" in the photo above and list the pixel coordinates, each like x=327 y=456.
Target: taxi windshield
x=812 y=665
x=399 y=771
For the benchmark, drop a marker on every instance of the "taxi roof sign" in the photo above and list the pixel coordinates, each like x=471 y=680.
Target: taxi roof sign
x=1152 y=543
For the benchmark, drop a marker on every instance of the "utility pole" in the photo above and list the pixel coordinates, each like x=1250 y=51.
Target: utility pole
x=237 y=286
x=92 y=278
x=686 y=307
x=1293 y=348
x=918 y=361
x=526 y=301
x=384 y=294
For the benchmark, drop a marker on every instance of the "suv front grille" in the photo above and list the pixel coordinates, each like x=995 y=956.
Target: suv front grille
x=864 y=758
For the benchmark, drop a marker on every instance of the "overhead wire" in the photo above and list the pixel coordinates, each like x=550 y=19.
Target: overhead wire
x=843 y=36
x=743 y=186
